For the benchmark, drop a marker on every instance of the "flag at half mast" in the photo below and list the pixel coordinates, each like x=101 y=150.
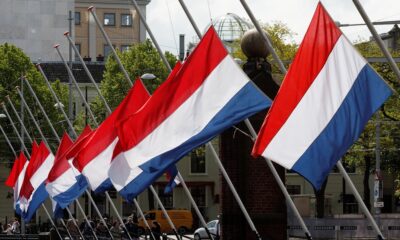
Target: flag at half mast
x=328 y=95
x=209 y=94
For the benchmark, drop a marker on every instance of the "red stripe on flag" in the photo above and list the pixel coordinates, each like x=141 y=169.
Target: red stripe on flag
x=60 y=162
x=105 y=134
x=37 y=158
x=204 y=59
x=16 y=170
x=320 y=39
x=79 y=142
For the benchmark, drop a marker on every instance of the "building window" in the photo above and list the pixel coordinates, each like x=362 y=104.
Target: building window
x=167 y=199
x=109 y=19
x=199 y=195
x=78 y=46
x=77 y=18
x=107 y=50
x=198 y=160
x=125 y=48
x=126 y=20
x=293 y=189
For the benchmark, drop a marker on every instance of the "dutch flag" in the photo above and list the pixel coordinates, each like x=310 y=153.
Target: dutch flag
x=326 y=98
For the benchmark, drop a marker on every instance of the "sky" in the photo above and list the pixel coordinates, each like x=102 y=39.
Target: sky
x=167 y=19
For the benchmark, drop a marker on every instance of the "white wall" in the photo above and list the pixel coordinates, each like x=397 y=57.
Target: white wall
x=35 y=26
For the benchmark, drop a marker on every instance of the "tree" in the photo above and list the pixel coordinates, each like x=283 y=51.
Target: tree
x=13 y=65
x=138 y=59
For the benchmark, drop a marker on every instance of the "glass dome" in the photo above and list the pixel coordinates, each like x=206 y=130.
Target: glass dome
x=230 y=27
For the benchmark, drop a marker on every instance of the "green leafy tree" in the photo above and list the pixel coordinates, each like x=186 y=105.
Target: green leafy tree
x=139 y=59
x=13 y=65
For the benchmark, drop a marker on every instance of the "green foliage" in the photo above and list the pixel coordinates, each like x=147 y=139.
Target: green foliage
x=139 y=59
x=13 y=65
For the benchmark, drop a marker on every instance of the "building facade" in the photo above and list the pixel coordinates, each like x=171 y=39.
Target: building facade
x=35 y=26
x=120 y=22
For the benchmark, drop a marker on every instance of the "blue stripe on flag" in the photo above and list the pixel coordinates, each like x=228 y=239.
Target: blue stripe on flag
x=65 y=198
x=364 y=98
x=248 y=101
x=39 y=196
x=104 y=186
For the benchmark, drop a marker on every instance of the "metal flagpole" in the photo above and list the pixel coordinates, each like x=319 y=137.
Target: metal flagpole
x=76 y=84
x=28 y=155
x=45 y=140
x=59 y=104
x=217 y=159
x=69 y=122
x=339 y=163
x=129 y=80
x=91 y=10
x=19 y=119
x=164 y=59
x=377 y=38
x=109 y=112
x=8 y=141
x=142 y=215
x=54 y=132
x=264 y=35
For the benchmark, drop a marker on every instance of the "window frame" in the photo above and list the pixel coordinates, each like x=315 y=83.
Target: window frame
x=131 y=20
x=104 y=19
x=75 y=18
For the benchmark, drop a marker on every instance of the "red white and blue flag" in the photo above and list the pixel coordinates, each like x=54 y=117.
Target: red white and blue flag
x=326 y=98
x=64 y=182
x=94 y=159
x=33 y=191
x=16 y=178
x=209 y=94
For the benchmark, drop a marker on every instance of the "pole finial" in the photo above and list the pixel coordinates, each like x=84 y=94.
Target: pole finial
x=66 y=33
x=56 y=45
x=90 y=8
x=17 y=87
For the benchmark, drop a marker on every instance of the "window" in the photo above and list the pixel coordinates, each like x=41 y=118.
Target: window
x=198 y=160
x=293 y=189
x=167 y=199
x=78 y=46
x=126 y=20
x=199 y=195
x=125 y=48
x=107 y=50
x=350 y=204
x=77 y=18
x=109 y=19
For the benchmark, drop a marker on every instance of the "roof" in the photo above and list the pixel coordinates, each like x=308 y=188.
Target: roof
x=57 y=70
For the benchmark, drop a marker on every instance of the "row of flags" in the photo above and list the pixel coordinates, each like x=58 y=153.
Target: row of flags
x=326 y=98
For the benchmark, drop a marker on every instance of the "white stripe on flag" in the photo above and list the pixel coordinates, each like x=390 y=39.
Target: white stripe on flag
x=62 y=183
x=96 y=171
x=121 y=174
x=310 y=116
x=208 y=100
x=42 y=172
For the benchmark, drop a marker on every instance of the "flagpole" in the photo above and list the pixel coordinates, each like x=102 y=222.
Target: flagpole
x=18 y=117
x=8 y=141
x=338 y=164
x=264 y=35
x=91 y=10
x=66 y=34
x=15 y=155
x=45 y=140
x=143 y=217
x=75 y=83
x=217 y=159
x=59 y=104
x=55 y=134
x=377 y=38
x=28 y=155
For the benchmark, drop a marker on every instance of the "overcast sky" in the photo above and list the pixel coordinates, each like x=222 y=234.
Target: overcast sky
x=167 y=19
